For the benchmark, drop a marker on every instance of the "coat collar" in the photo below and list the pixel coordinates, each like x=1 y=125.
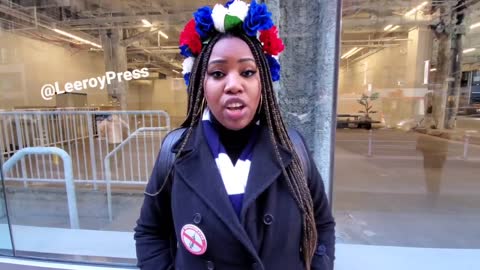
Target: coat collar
x=264 y=169
x=198 y=170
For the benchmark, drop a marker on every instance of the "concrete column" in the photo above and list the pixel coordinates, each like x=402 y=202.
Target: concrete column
x=454 y=80
x=419 y=50
x=442 y=45
x=448 y=59
x=308 y=85
x=115 y=56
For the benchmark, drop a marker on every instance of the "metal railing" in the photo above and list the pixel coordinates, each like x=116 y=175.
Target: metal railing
x=108 y=171
x=67 y=166
x=88 y=137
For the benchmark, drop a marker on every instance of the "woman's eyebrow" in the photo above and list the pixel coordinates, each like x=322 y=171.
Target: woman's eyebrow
x=223 y=61
x=217 y=61
x=246 y=59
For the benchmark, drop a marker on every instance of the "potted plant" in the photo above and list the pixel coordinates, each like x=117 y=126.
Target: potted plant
x=366 y=102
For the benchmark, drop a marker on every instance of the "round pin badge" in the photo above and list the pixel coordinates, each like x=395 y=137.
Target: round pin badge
x=193 y=239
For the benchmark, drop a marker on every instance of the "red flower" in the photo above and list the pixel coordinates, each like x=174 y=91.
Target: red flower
x=272 y=44
x=190 y=37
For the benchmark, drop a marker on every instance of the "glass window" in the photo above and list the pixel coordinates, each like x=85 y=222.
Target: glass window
x=101 y=81
x=5 y=239
x=409 y=124
x=100 y=84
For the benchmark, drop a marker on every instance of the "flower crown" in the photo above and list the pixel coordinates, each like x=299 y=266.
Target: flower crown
x=236 y=15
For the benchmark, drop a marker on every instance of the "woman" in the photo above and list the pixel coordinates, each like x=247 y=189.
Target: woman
x=237 y=196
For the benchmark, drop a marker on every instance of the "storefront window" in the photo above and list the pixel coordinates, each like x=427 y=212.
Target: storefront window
x=408 y=129
x=101 y=81
x=6 y=240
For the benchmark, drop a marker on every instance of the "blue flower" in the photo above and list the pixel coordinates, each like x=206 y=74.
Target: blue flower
x=203 y=21
x=185 y=51
x=186 y=77
x=274 y=67
x=229 y=3
x=258 y=18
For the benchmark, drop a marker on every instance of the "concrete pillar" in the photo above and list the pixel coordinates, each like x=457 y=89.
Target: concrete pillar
x=454 y=81
x=308 y=85
x=419 y=50
x=442 y=45
x=448 y=60
x=115 y=56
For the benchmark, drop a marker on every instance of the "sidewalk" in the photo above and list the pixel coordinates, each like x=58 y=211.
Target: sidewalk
x=457 y=134
x=348 y=257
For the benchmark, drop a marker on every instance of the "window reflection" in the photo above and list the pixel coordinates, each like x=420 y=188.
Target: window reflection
x=5 y=240
x=101 y=81
x=406 y=156
x=414 y=170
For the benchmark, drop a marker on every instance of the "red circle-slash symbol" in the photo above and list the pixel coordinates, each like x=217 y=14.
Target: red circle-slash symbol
x=193 y=239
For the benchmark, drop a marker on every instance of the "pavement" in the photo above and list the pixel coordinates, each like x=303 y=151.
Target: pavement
x=464 y=135
x=406 y=189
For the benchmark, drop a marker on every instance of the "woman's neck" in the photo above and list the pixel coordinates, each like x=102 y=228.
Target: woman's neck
x=234 y=141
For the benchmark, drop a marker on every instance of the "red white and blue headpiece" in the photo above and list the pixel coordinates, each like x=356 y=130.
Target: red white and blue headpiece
x=253 y=19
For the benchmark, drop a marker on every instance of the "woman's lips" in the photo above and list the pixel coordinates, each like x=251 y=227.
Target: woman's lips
x=235 y=114
x=235 y=109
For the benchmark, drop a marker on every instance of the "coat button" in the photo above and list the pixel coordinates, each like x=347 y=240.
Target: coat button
x=197 y=218
x=210 y=265
x=321 y=250
x=267 y=219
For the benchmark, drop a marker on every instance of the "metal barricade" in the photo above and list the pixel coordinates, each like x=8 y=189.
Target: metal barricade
x=67 y=166
x=108 y=169
x=88 y=136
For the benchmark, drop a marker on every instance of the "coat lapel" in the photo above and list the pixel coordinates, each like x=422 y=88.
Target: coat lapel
x=264 y=169
x=199 y=171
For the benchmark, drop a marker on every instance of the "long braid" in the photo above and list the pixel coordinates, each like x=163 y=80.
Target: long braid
x=294 y=175
x=297 y=177
x=270 y=114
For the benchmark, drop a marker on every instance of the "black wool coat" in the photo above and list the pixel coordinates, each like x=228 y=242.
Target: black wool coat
x=267 y=236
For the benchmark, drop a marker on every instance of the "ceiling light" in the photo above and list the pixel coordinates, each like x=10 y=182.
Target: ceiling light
x=351 y=52
x=475 y=25
x=77 y=38
x=433 y=69
x=469 y=50
x=387 y=27
x=146 y=23
x=354 y=52
x=175 y=71
x=414 y=10
x=162 y=34
x=394 y=28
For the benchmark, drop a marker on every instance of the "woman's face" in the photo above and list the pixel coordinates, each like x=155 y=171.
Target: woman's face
x=232 y=83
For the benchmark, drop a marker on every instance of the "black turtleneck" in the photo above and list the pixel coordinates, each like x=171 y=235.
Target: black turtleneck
x=234 y=141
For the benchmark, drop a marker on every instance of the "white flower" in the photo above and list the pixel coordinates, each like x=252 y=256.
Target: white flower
x=218 y=16
x=238 y=9
x=188 y=65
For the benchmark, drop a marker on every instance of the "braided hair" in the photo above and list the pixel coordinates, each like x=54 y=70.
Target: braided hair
x=294 y=175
